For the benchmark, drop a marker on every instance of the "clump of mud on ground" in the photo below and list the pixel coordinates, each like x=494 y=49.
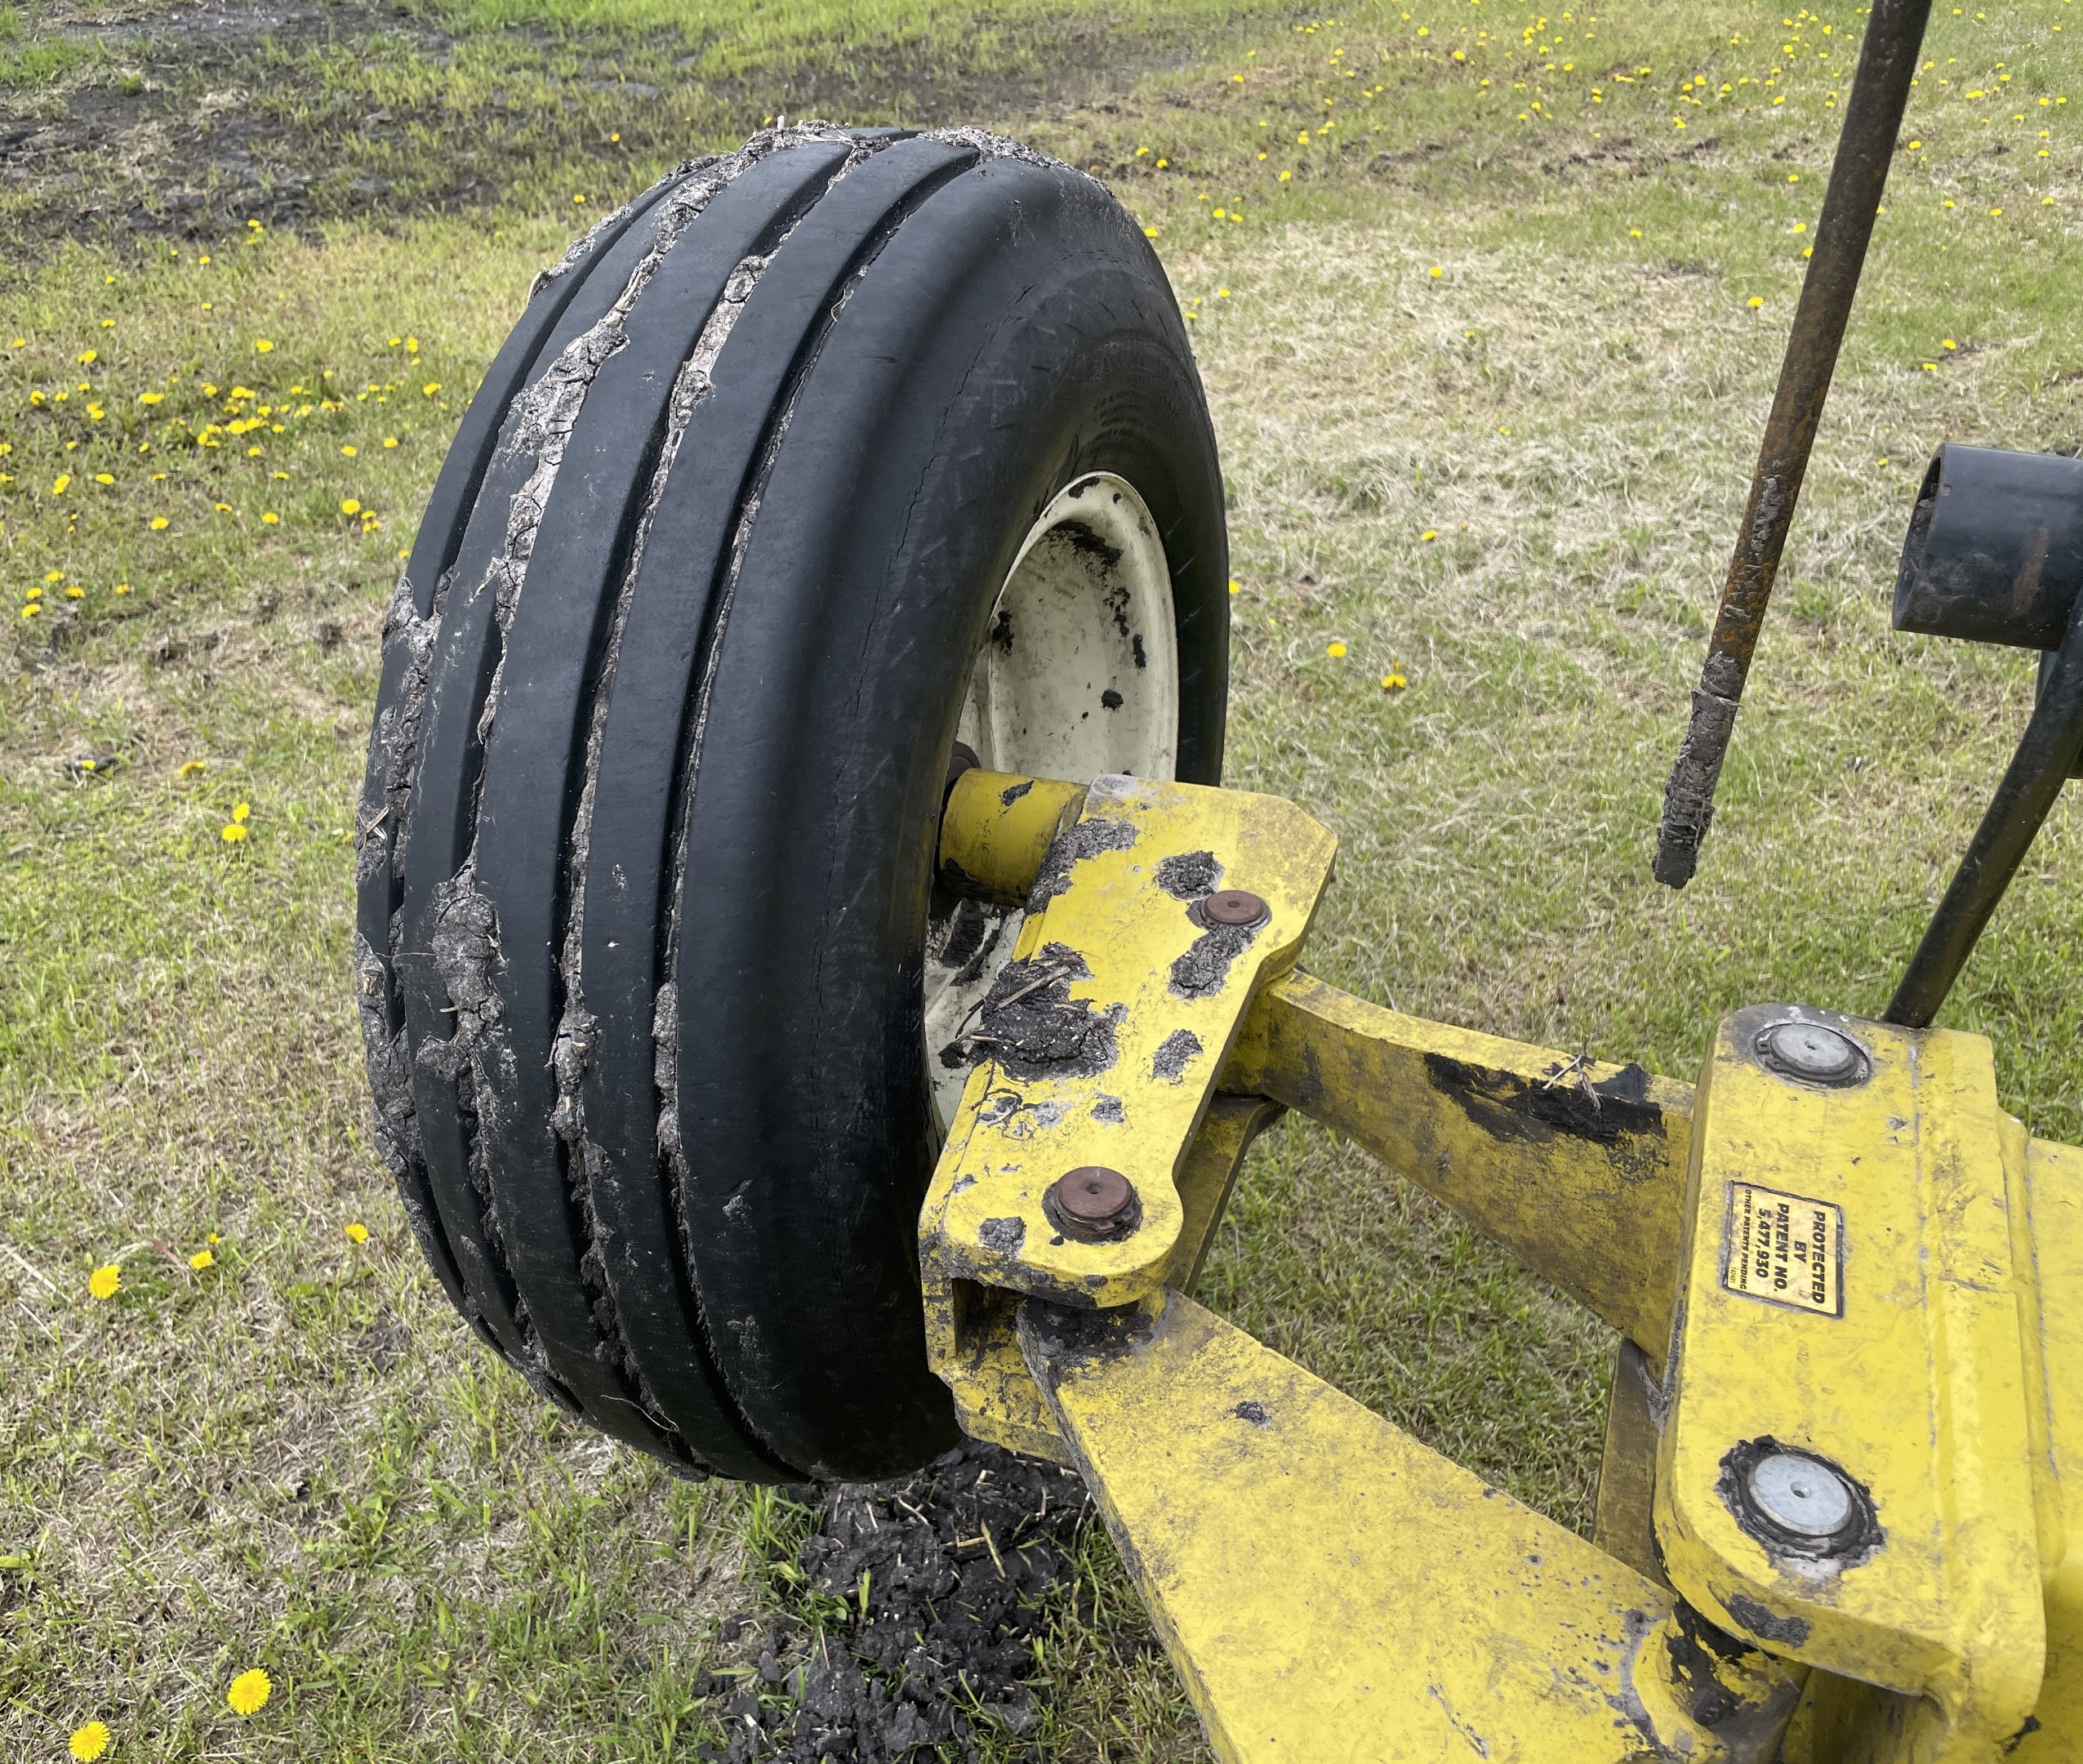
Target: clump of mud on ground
x=942 y=1575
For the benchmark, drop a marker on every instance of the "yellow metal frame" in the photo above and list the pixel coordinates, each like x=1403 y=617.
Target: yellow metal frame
x=1884 y=1277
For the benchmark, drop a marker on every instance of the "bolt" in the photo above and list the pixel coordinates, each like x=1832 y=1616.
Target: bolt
x=1233 y=906
x=1801 y=1495
x=1813 y=1052
x=1093 y=1204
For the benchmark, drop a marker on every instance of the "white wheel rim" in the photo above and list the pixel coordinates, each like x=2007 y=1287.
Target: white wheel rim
x=1078 y=676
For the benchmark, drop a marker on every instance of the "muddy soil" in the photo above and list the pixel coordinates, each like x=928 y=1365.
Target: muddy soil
x=185 y=122
x=914 y=1614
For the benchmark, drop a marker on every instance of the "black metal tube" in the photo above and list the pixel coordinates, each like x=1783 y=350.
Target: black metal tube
x=1994 y=552
x=2047 y=753
x=1858 y=175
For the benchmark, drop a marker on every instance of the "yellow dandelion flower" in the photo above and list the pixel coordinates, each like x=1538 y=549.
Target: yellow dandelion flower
x=1235 y=586
x=103 y=1282
x=122 y=587
x=242 y=811
x=32 y=609
x=58 y=484
x=88 y=1743
x=431 y=387
x=1429 y=533
x=350 y=452
x=249 y=1691
x=104 y=478
x=74 y=591
x=1336 y=651
x=358 y=1232
x=1393 y=681
x=1755 y=301
x=411 y=346
x=1950 y=343
x=87 y=358
x=191 y=768
x=261 y=345
x=158 y=523
x=201 y=1259
x=391 y=441
x=1436 y=272
x=349 y=505
x=232 y=833
x=270 y=519
x=53 y=575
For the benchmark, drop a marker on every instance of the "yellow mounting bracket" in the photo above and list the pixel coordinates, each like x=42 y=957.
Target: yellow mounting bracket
x=1846 y=1439
x=1845 y=1473
x=1157 y=915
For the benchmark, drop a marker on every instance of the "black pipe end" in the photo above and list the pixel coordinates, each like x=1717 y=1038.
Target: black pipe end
x=1994 y=552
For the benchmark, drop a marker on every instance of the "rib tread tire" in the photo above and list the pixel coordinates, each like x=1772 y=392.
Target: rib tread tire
x=532 y=785
x=556 y=312
x=670 y=609
x=442 y=806
x=657 y=893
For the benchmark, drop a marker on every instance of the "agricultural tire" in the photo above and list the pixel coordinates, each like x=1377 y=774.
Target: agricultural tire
x=702 y=598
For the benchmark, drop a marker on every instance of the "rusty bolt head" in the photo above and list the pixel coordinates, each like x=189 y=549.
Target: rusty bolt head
x=1093 y=1204
x=1233 y=906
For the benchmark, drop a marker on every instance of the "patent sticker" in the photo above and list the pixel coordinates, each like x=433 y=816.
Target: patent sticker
x=1785 y=1248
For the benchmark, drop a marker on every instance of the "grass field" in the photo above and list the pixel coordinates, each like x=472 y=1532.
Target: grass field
x=1488 y=304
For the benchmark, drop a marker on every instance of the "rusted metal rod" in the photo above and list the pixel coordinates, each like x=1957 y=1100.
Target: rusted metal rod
x=1887 y=61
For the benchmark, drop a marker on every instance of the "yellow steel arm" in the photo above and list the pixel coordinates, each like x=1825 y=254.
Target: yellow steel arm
x=1577 y=1167
x=1332 y=1590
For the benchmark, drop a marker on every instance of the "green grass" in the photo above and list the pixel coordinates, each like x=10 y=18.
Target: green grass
x=1513 y=482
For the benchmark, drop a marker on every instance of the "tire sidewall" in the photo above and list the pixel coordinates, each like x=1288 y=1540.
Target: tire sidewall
x=1015 y=334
